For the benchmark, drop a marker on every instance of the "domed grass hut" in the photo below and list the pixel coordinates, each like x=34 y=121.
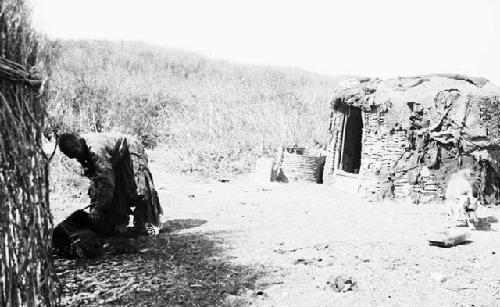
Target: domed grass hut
x=404 y=137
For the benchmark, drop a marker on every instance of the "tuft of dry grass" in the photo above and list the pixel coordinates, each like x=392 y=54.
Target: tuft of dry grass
x=211 y=117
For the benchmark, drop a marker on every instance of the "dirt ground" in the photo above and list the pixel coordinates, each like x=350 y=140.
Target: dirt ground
x=242 y=243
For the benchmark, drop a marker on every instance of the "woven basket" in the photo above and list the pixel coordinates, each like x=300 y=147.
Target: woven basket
x=300 y=165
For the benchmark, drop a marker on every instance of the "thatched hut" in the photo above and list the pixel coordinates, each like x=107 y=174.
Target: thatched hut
x=404 y=137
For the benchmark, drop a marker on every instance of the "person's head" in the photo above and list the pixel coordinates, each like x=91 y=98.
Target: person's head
x=71 y=145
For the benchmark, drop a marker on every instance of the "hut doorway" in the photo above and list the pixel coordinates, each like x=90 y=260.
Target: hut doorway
x=352 y=132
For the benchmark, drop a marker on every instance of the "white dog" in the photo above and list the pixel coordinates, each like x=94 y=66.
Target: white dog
x=460 y=200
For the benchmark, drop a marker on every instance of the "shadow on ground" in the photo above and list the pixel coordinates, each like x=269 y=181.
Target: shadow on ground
x=484 y=223
x=175 y=269
x=180 y=224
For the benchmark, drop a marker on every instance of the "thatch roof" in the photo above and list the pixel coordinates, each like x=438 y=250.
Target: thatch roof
x=392 y=93
x=424 y=102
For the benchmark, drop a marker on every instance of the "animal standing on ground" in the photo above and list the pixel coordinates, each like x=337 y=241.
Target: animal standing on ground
x=117 y=166
x=460 y=199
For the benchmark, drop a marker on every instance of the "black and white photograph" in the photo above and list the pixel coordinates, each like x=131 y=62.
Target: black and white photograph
x=315 y=153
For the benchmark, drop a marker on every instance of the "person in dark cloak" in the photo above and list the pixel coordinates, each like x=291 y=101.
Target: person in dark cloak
x=117 y=166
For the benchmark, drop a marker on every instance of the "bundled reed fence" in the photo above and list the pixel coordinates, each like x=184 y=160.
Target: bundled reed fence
x=26 y=270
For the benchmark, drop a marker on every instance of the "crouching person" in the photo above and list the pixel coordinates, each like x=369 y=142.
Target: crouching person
x=117 y=166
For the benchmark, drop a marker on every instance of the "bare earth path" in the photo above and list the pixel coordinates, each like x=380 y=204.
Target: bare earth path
x=286 y=241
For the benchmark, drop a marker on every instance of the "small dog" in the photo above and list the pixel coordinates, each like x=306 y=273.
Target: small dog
x=460 y=200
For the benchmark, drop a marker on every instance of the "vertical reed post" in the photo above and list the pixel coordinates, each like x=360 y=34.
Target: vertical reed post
x=26 y=269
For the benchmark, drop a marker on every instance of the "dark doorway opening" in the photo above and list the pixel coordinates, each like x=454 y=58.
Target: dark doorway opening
x=350 y=160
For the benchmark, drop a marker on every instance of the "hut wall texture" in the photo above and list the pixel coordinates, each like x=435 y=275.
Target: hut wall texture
x=27 y=275
x=383 y=160
x=417 y=132
x=381 y=149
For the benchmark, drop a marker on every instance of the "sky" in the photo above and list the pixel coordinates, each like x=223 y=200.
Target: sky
x=384 y=38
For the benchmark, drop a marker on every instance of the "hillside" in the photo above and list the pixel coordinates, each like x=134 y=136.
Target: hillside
x=208 y=116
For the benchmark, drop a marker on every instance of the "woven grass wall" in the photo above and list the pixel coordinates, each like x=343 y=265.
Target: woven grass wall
x=26 y=271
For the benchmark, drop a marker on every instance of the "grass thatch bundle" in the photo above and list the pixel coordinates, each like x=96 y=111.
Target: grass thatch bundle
x=26 y=270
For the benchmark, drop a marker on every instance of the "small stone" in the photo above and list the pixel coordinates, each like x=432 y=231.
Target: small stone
x=342 y=284
x=438 y=277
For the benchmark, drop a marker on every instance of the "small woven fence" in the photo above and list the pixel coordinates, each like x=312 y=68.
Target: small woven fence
x=26 y=271
x=299 y=164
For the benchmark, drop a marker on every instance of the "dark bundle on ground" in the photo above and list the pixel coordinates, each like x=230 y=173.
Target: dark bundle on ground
x=73 y=238
x=26 y=268
x=76 y=238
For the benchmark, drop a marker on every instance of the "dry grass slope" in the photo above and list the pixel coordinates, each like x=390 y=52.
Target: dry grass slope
x=211 y=116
